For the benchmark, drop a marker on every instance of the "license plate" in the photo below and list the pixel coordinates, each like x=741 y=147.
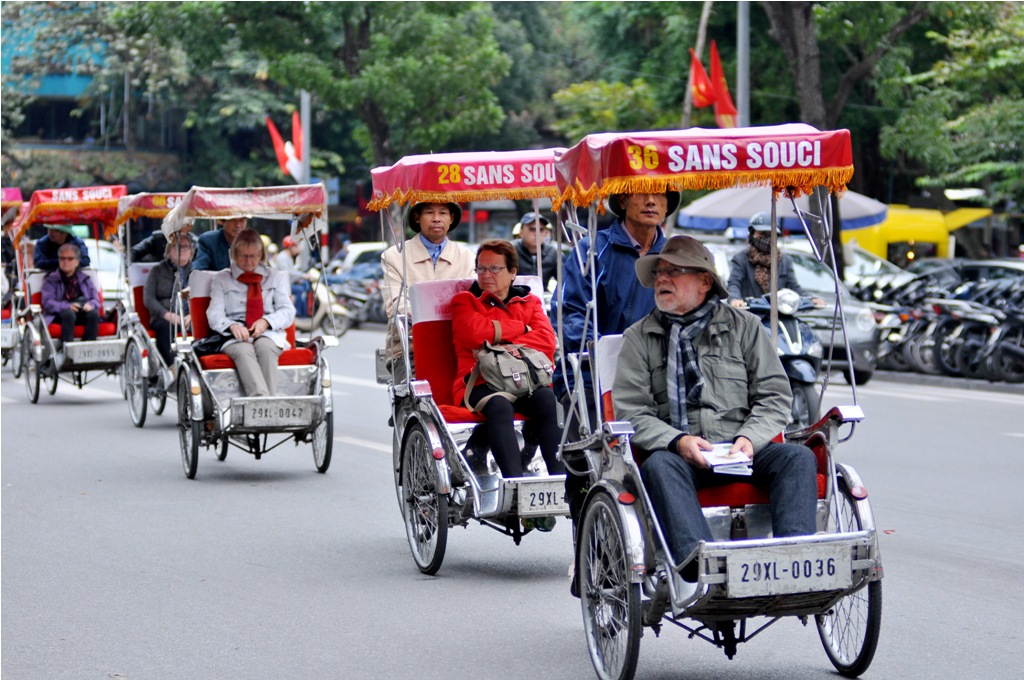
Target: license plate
x=257 y=415
x=788 y=569
x=88 y=354
x=542 y=498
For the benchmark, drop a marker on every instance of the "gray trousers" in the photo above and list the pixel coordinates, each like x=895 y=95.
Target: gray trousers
x=257 y=365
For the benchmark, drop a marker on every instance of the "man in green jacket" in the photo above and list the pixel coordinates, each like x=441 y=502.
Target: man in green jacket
x=697 y=372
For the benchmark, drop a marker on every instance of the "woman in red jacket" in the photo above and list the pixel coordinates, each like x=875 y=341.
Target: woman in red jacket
x=521 y=316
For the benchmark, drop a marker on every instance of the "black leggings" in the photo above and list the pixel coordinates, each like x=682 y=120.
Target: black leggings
x=540 y=408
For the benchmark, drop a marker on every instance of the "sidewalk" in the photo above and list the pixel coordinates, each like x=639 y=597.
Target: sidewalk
x=910 y=378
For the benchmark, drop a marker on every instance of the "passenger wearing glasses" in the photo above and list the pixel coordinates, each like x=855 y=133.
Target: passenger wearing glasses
x=695 y=372
x=496 y=310
x=70 y=298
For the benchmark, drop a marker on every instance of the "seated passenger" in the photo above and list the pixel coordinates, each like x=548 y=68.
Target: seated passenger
x=697 y=371
x=153 y=248
x=162 y=285
x=252 y=303
x=70 y=298
x=523 y=321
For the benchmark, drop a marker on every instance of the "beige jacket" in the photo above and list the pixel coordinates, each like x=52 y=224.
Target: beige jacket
x=455 y=262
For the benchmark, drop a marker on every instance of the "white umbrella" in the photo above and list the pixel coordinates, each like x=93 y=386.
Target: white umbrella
x=726 y=208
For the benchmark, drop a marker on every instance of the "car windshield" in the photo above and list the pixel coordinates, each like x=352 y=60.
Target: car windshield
x=813 y=276
x=103 y=257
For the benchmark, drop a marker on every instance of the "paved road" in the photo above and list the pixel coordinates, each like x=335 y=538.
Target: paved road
x=116 y=566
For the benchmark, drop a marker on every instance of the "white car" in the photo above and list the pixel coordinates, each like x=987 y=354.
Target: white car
x=105 y=258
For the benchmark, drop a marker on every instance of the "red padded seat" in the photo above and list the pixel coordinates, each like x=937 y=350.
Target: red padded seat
x=6 y=313
x=142 y=310
x=107 y=329
x=290 y=357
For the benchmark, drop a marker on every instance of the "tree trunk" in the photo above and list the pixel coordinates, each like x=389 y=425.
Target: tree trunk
x=793 y=27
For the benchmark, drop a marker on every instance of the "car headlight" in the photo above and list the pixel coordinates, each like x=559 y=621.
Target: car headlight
x=866 y=320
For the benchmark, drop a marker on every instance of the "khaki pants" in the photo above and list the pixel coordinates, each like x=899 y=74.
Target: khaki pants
x=256 y=363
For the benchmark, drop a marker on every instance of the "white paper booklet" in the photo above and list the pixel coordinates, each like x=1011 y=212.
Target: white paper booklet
x=723 y=462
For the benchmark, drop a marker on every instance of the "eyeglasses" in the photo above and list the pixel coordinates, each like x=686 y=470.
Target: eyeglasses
x=673 y=272
x=67 y=259
x=493 y=269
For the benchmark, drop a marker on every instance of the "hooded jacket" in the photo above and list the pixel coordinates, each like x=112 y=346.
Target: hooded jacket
x=522 y=320
x=746 y=392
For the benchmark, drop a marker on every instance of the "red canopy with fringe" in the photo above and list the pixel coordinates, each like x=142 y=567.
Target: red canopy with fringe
x=468 y=176
x=70 y=206
x=793 y=155
x=146 y=205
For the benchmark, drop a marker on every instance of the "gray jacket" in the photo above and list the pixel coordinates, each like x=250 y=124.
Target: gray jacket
x=746 y=392
x=161 y=285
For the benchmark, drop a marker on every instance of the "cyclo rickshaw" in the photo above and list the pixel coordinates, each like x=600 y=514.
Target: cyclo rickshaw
x=212 y=408
x=623 y=561
x=105 y=354
x=145 y=376
x=437 y=487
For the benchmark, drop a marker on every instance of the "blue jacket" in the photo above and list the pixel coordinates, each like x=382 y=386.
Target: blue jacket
x=213 y=252
x=45 y=254
x=621 y=299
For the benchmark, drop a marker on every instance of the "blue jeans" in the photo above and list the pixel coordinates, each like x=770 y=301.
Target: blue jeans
x=789 y=471
x=300 y=290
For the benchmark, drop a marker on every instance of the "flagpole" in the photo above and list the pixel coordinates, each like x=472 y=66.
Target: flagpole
x=743 y=63
x=702 y=30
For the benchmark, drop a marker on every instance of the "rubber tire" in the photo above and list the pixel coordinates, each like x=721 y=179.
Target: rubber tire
x=1008 y=367
x=189 y=431
x=859 y=614
x=50 y=377
x=610 y=602
x=222 y=452
x=424 y=509
x=861 y=376
x=18 y=354
x=157 y=401
x=805 y=405
x=136 y=384
x=32 y=378
x=324 y=434
x=338 y=328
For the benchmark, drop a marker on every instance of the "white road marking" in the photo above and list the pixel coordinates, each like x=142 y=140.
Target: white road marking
x=364 y=443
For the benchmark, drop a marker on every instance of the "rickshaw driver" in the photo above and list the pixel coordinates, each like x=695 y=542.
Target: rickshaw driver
x=532 y=246
x=621 y=300
x=696 y=371
x=430 y=256
x=213 y=250
x=45 y=254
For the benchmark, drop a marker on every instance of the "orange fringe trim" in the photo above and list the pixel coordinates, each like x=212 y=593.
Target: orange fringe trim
x=419 y=196
x=801 y=181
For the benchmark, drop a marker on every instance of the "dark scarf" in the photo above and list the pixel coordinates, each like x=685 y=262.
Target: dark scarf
x=72 y=289
x=759 y=253
x=685 y=382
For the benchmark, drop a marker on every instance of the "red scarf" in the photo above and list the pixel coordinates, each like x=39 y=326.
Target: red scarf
x=253 y=298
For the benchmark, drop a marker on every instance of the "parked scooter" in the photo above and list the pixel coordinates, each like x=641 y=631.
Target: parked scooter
x=323 y=310
x=799 y=350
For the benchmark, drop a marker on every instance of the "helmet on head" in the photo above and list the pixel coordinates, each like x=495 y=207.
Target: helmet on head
x=288 y=242
x=762 y=221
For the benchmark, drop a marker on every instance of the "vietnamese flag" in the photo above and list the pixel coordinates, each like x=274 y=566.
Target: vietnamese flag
x=725 y=112
x=703 y=90
x=275 y=137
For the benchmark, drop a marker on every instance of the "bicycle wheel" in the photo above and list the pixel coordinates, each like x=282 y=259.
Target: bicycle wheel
x=136 y=383
x=424 y=509
x=610 y=602
x=323 y=443
x=849 y=631
x=805 y=407
x=49 y=374
x=189 y=431
x=32 y=369
x=18 y=354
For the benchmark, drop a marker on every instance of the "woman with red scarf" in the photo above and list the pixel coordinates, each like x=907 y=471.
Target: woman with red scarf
x=523 y=321
x=252 y=303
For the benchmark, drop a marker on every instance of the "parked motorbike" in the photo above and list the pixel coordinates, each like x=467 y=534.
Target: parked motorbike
x=323 y=310
x=799 y=350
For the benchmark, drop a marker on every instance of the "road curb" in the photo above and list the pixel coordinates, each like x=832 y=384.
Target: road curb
x=948 y=381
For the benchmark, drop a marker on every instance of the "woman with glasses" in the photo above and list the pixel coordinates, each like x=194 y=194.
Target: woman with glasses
x=70 y=298
x=253 y=304
x=496 y=310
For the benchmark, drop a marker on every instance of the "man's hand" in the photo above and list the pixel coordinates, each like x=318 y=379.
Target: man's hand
x=738 y=303
x=259 y=327
x=818 y=302
x=690 y=447
x=744 y=446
